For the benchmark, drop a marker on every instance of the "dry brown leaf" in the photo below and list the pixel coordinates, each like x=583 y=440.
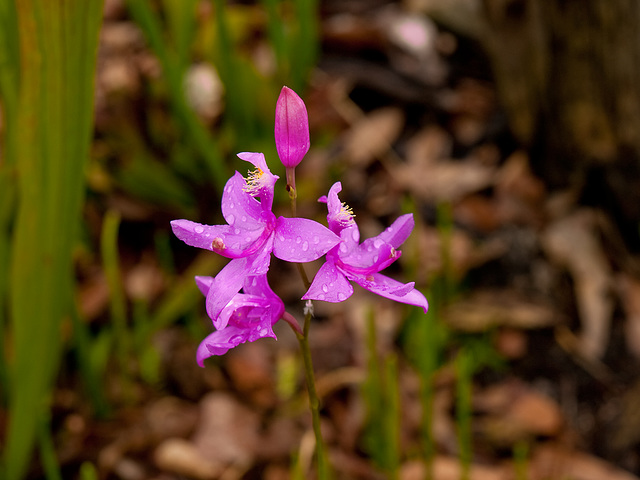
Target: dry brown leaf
x=514 y=412
x=251 y=368
x=518 y=193
x=629 y=290
x=554 y=461
x=181 y=457
x=572 y=242
x=447 y=468
x=444 y=181
x=373 y=135
x=426 y=248
x=491 y=308
x=228 y=431
x=428 y=146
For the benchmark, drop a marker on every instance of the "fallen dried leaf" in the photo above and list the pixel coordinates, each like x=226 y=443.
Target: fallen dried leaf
x=490 y=308
x=555 y=461
x=447 y=468
x=373 y=136
x=228 y=431
x=572 y=242
x=181 y=457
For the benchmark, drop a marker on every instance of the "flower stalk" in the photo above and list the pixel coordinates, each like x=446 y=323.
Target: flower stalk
x=314 y=400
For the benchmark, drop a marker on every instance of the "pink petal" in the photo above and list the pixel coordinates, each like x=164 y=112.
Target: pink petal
x=329 y=285
x=238 y=207
x=371 y=256
x=221 y=341
x=291 y=128
x=302 y=240
x=225 y=285
x=261 y=184
x=204 y=284
x=259 y=262
x=392 y=289
x=399 y=230
x=197 y=234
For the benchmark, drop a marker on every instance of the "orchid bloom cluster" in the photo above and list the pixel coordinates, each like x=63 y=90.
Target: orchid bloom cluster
x=239 y=300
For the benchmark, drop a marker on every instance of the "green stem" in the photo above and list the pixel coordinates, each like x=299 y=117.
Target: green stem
x=314 y=400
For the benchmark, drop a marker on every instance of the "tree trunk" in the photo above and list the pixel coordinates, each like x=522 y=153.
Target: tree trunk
x=568 y=75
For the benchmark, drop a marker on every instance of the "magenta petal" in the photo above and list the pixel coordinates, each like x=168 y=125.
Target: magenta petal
x=392 y=289
x=225 y=285
x=291 y=128
x=236 y=242
x=370 y=257
x=302 y=240
x=329 y=285
x=238 y=207
x=197 y=234
x=260 y=183
x=399 y=231
x=259 y=262
x=204 y=284
x=256 y=159
x=221 y=341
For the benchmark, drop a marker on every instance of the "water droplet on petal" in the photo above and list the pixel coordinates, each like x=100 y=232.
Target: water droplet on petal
x=298 y=239
x=325 y=289
x=231 y=219
x=244 y=218
x=377 y=243
x=343 y=247
x=236 y=231
x=341 y=296
x=321 y=296
x=231 y=205
x=305 y=246
x=198 y=229
x=355 y=236
x=316 y=240
x=375 y=258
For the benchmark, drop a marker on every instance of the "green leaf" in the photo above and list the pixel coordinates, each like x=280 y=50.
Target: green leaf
x=50 y=138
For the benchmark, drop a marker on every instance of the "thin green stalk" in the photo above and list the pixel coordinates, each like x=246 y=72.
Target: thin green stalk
x=48 y=455
x=382 y=400
x=428 y=367
x=314 y=400
x=464 y=372
x=520 y=459
x=306 y=42
x=392 y=416
x=91 y=377
x=111 y=266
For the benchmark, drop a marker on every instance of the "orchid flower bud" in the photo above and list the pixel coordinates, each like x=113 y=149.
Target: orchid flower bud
x=291 y=128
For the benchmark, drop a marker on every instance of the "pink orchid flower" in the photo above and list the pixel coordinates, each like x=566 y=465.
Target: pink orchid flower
x=351 y=261
x=252 y=233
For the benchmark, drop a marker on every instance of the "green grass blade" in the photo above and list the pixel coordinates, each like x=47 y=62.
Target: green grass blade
x=173 y=71
x=306 y=43
x=58 y=43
